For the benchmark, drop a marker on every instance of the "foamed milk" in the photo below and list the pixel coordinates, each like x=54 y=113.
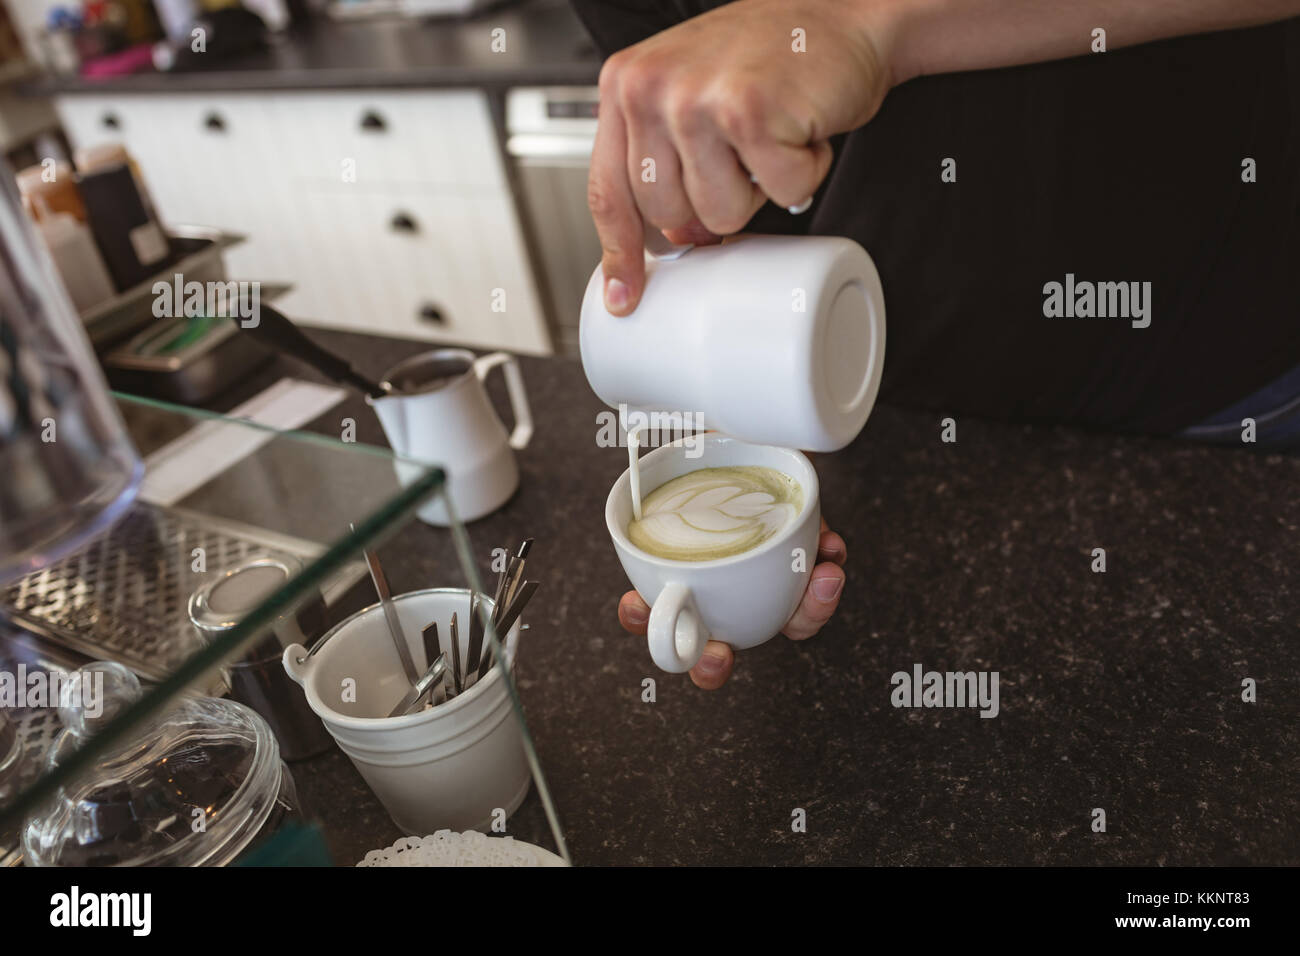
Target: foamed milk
x=715 y=512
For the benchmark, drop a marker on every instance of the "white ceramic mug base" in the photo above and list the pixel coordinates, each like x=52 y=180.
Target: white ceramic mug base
x=450 y=767
x=743 y=600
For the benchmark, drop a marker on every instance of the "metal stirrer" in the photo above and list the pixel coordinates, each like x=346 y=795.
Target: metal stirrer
x=390 y=614
x=455 y=655
x=526 y=592
x=436 y=672
x=432 y=648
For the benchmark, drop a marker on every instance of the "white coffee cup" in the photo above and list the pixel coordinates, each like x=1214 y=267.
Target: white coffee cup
x=778 y=340
x=742 y=600
x=455 y=426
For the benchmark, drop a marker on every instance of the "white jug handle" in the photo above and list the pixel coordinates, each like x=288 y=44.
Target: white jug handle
x=523 y=433
x=676 y=633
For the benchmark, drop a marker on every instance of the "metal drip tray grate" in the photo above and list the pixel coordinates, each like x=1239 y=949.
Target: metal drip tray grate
x=125 y=596
x=36 y=727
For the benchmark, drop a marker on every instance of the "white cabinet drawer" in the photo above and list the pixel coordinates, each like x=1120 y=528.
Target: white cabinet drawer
x=390 y=137
x=145 y=125
x=415 y=245
x=424 y=267
x=91 y=119
x=442 y=138
x=196 y=152
x=208 y=160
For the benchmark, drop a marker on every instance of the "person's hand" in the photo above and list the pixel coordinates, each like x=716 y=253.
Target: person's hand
x=719 y=98
x=820 y=600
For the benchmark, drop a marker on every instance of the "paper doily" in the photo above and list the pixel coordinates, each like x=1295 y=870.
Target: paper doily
x=470 y=848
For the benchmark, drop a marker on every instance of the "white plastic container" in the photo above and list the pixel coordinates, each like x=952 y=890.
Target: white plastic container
x=449 y=767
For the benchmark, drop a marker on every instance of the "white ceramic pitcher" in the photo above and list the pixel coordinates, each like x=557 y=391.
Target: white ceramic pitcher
x=439 y=413
x=776 y=340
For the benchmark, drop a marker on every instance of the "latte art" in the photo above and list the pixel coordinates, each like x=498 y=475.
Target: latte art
x=715 y=512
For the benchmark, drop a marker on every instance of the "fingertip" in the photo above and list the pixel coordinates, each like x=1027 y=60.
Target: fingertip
x=820 y=599
x=714 y=666
x=831 y=547
x=617 y=296
x=827 y=583
x=633 y=613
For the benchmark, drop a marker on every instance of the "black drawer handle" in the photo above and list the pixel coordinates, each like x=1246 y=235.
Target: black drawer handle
x=431 y=314
x=372 y=122
x=110 y=121
x=403 y=223
x=215 y=123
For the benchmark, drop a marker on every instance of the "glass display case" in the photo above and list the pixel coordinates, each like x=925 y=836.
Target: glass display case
x=234 y=593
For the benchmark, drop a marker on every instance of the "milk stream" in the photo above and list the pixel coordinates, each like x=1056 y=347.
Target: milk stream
x=634 y=468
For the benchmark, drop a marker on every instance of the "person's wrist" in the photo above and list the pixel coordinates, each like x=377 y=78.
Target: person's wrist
x=885 y=29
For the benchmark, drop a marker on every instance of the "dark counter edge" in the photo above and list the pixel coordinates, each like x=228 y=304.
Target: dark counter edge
x=384 y=53
x=236 y=81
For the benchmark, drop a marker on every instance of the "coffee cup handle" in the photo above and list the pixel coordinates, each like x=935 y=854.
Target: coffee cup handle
x=523 y=433
x=676 y=633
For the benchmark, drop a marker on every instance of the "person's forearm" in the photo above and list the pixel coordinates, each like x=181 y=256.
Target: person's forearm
x=948 y=36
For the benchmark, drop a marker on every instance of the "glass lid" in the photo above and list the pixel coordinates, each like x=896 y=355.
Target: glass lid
x=196 y=785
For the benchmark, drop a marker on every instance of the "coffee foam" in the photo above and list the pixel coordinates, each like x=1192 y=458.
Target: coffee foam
x=715 y=512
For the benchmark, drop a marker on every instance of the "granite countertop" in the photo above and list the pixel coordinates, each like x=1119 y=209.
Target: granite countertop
x=1119 y=691
x=546 y=44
